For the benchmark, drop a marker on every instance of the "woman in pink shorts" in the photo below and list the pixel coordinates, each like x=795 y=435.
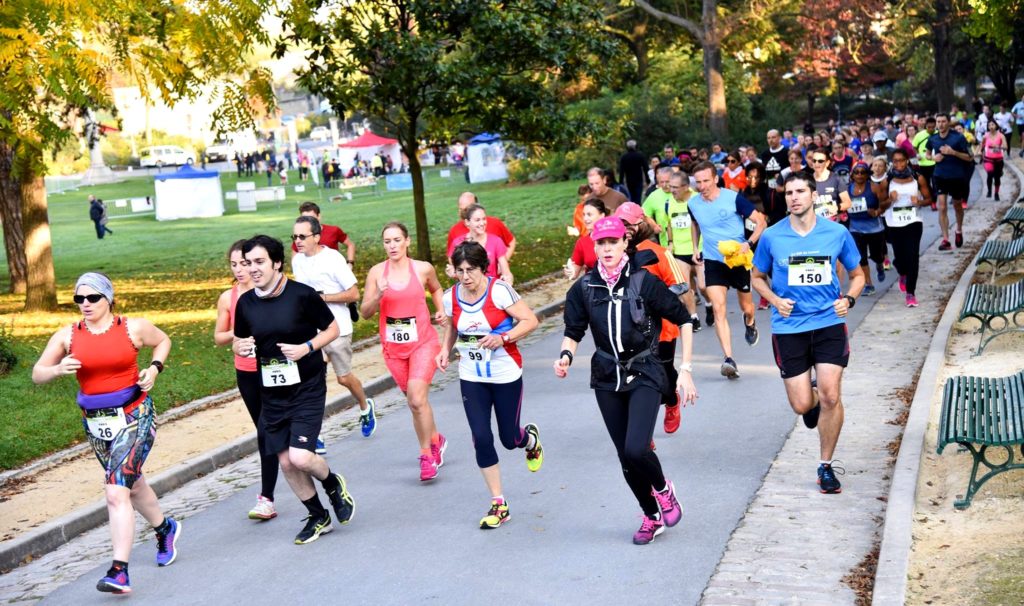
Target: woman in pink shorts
x=397 y=288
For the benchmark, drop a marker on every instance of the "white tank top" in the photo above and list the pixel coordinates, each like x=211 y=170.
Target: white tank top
x=903 y=212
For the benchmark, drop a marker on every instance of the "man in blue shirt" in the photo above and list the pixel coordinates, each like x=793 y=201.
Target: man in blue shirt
x=954 y=167
x=719 y=214
x=809 y=311
x=1018 y=115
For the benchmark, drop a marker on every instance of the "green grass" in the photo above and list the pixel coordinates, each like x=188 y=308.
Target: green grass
x=172 y=272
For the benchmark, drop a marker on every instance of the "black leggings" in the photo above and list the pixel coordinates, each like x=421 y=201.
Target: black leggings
x=249 y=386
x=871 y=247
x=906 y=252
x=630 y=417
x=507 y=401
x=994 y=176
x=667 y=353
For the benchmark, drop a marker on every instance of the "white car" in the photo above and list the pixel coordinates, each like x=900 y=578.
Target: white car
x=164 y=155
x=320 y=133
x=219 y=152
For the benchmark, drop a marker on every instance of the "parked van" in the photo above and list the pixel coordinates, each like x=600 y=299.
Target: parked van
x=164 y=155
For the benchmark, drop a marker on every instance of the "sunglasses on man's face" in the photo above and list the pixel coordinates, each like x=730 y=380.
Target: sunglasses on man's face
x=732 y=161
x=818 y=161
x=301 y=237
x=79 y=299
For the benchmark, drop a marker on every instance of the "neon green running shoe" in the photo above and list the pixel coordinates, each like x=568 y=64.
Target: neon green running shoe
x=535 y=455
x=497 y=516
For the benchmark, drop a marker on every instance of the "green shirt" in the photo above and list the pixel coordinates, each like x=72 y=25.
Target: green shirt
x=679 y=224
x=656 y=207
x=920 y=143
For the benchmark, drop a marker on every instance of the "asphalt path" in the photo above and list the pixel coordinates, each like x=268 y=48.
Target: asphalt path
x=569 y=540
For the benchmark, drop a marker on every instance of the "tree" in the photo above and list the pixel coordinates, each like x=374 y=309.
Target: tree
x=419 y=67
x=997 y=31
x=10 y=216
x=58 y=58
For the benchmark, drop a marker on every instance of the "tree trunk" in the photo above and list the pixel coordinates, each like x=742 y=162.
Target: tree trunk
x=942 y=47
x=1004 y=75
x=410 y=147
x=10 y=216
x=712 y=46
x=41 y=291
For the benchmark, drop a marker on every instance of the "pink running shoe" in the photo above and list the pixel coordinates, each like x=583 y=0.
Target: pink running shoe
x=438 y=448
x=428 y=468
x=649 y=529
x=911 y=301
x=886 y=263
x=903 y=284
x=671 y=510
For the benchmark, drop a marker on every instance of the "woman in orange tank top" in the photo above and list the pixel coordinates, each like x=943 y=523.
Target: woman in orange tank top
x=397 y=289
x=117 y=412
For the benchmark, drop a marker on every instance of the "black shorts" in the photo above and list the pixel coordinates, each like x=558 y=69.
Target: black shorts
x=717 y=273
x=958 y=189
x=293 y=421
x=797 y=352
x=688 y=259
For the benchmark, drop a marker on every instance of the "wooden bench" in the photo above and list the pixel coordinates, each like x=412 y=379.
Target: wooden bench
x=1014 y=217
x=1000 y=309
x=978 y=412
x=1000 y=254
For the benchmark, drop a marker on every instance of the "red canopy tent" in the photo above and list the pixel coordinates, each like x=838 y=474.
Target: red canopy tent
x=369 y=139
x=366 y=146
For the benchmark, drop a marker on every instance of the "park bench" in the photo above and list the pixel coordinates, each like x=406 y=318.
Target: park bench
x=1000 y=254
x=1014 y=217
x=998 y=308
x=978 y=412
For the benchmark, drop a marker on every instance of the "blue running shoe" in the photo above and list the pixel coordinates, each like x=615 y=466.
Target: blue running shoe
x=116 y=581
x=868 y=290
x=880 y=273
x=368 y=419
x=166 y=544
x=827 y=480
x=321 y=448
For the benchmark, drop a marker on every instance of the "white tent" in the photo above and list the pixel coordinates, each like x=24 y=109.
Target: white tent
x=188 y=193
x=366 y=146
x=485 y=159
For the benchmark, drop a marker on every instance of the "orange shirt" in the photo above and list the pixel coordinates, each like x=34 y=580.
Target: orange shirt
x=737 y=183
x=666 y=270
x=577 y=219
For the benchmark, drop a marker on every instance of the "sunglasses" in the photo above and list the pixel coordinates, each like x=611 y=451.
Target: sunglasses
x=731 y=161
x=818 y=161
x=302 y=237
x=859 y=172
x=79 y=299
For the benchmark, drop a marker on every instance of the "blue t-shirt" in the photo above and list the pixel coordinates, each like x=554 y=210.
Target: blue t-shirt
x=860 y=221
x=950 y=167
x=1018 y=110
x=718 y=158
x=814 y=284
x=719 y=220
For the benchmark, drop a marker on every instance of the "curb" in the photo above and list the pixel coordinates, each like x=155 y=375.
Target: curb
x=55 y=533
x=894 y=554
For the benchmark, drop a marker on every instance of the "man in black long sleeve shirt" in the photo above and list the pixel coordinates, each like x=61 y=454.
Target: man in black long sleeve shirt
x=633 y=171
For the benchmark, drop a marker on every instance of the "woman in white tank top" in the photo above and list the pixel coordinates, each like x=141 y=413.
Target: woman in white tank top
x=907 y=192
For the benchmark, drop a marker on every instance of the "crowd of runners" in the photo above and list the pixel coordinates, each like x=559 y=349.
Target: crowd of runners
x=800 y=223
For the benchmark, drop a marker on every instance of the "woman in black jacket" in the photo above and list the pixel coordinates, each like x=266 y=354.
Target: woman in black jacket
x=623 y=305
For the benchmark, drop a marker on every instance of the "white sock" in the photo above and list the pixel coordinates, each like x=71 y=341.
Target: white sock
x=531 y=441
x=823 y=462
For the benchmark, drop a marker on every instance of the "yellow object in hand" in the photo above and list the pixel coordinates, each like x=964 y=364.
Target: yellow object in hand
x=730 y=249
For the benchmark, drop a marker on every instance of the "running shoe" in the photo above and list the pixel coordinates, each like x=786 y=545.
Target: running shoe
x=827 y=480
x=958 y=237
x=903 y=284
x=264 y=509
x=880 y=273
x=868 y=290
x=497 y=515
x=886 y=263
x=709 y=315
x=695 y=322
x=911 y=301
x=752 y=335
x=438 y=448
x=762 y=304
x=116 y=581
x=729 y=369
x=368 y=419
x=945 y=245
x=672 y=418
x=935 y=207
x=535 y=455
x=313 y=529
x=649 y=528
x=166 y=543
x=811 y=416
x=671 y=510
x=321 y=448
x=342 y=502
x=428 y=468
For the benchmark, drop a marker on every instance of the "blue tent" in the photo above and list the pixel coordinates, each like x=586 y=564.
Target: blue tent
x=187 y=172
x=485 y=138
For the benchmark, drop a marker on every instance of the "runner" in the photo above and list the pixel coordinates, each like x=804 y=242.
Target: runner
x=331 y=236
x=719 y=214
x=596 y=179
x=775 y=158
x=925 y=165
x=476 y=221
x=907 y=191
x=248 y=378
x=118 y=414
x=866 y=223
x=680 y=241
x=993 y=145
x=655 y=206
x=625 y=374
x=282 y=324
x=495 y=226
x=583 y=257
x=325 y=271
x=832 y=201
x=408 y=340
x=954 y=167
x=485 y=319
x=808 y=319
x=734 y=177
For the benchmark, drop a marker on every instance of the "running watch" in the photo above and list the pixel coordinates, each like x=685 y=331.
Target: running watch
x=851 y=300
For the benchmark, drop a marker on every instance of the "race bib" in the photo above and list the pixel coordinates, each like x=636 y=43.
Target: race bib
x=749 y=224
x=400 y=330
x=773 y=183
x=681 y=221
x=860 y=205
x=810 y=270
x=903 y=216
x=278 y=373
x=469 y=348
x=105 y=423
x=825 y=207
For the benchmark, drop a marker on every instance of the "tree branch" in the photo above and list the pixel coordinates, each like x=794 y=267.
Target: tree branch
x=693 y=28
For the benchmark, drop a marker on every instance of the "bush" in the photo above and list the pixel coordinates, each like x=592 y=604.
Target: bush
x=8 y=360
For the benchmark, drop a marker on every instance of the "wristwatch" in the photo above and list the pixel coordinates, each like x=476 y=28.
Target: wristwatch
x=504 y=337
x=851 y=301
x=159 y=366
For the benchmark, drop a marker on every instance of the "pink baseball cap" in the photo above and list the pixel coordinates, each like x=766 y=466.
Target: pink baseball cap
x=630 y=212
x=608 y=227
